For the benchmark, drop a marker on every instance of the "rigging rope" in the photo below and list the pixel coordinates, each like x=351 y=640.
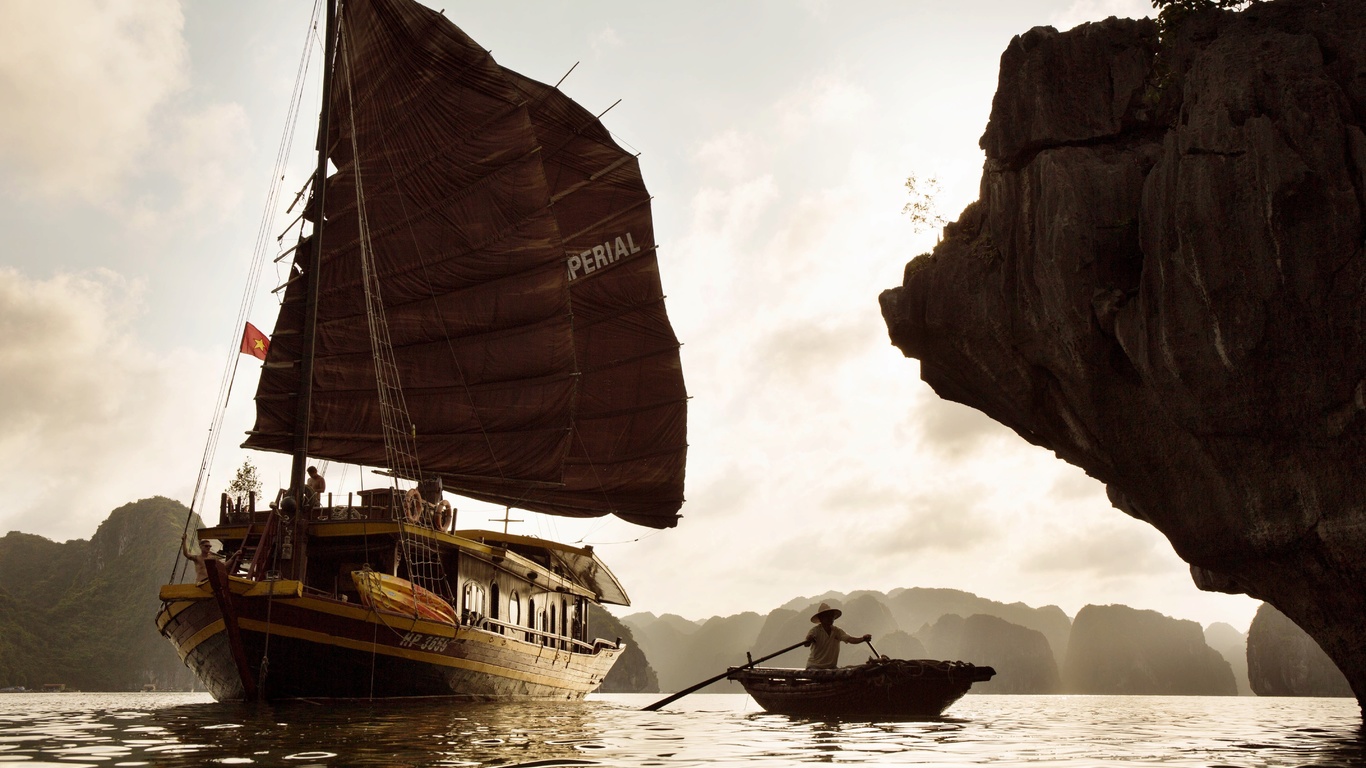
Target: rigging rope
x=423 y=559
x=399 y=439
x=253 y=272
x=394 y=174
x=408 y=218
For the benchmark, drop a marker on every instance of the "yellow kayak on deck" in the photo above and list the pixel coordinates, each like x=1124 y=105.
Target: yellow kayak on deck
x=390 y=593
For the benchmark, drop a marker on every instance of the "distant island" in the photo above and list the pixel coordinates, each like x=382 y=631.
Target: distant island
x=78 y=615
x=1109 y=649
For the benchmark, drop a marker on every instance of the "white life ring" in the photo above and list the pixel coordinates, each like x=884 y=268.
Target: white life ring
x=442 y=515
x=412 y=505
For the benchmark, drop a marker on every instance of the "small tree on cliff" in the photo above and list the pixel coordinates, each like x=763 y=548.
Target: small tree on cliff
x=1172 y=12
x=248 y=480
x=921 y=209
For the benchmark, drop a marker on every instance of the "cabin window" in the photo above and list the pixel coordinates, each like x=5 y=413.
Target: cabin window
x=514 y=609
x=531 y=619
x=473 y=602
x=553 y=628
x=493 y=605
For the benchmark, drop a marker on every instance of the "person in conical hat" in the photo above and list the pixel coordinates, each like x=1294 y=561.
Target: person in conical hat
x=825 y=638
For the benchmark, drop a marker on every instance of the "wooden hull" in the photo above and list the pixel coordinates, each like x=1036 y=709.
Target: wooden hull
x=300 y=646
x=880 y=689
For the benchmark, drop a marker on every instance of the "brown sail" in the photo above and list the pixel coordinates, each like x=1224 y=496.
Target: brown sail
x=513 y=248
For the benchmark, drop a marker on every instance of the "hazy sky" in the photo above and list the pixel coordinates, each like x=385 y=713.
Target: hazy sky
x=137 y=139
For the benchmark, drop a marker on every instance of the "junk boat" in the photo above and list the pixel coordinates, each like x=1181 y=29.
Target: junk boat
x=474 y=307
x=881 y=689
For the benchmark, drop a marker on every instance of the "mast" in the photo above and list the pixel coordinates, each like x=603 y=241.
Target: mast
x=312 y=260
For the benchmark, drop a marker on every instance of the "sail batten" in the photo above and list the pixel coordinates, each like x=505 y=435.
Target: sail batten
x=514 y=245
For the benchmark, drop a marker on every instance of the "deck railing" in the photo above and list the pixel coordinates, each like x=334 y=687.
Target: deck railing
x=378 y=504
x=385 y=504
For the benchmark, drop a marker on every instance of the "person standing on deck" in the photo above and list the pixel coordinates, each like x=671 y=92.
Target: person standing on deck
x=825 y=639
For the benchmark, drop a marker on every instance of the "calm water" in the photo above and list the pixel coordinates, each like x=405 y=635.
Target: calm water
x=73 y=729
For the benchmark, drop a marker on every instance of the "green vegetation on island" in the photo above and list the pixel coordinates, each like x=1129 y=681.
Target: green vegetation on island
x=80 y=613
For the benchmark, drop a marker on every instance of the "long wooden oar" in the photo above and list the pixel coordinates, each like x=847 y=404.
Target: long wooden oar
x=711 y=680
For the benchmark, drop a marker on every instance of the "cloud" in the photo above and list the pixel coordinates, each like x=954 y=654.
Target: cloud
x=729 y=154
x=94 y=111
x=858 y=535
x=810 y=350
x=895 y=522
x=45 y=327
x=860 y=496
x=939 y=521
x=788 y=126
x=606 y=42
x=726 y=492
x=954 y=430
x=1111 y=548
x=81 y=83
x=91 y=419
x=827 y=99
x=1076 y=485
x=1082 y=11
x=730 y=212
x=206 y=184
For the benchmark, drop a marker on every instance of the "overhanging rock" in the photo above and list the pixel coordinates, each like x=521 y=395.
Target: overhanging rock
x=1163 y=282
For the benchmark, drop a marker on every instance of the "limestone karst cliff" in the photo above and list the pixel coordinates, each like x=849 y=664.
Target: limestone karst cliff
x=1118 y=649
x=79 y=613
x=632 y=673
x=1283 y=661
x=1232 y=645
x=1163 y=283
x=906 y=623
x=1022 y=657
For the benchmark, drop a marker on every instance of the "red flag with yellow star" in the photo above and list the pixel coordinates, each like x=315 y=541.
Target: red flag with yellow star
x=254 y=342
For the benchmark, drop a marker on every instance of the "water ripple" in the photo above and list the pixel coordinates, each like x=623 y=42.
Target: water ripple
x=172 y=730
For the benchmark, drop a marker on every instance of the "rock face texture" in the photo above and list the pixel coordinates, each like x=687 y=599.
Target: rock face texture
x=78 y=613
x=917 y=606
x=1283 y=661
x=1163 y=282
x=632 y=673
x=1232 y=645
x=1021 y=656
x=1118 y=649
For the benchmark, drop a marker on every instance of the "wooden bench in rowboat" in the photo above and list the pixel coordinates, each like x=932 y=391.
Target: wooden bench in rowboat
x=879 y=689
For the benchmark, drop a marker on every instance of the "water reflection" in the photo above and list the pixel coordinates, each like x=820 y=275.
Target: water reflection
x=302 y=733
x=180 y=730
x=394 y=733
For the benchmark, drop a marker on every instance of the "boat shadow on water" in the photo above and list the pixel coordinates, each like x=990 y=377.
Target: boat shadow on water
x=854 y=722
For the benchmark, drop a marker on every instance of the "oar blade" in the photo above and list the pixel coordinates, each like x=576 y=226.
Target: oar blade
x=710 y=680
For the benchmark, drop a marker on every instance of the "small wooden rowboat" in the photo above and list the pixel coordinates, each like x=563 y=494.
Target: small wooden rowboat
x=881 y=688
x=390 y=593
